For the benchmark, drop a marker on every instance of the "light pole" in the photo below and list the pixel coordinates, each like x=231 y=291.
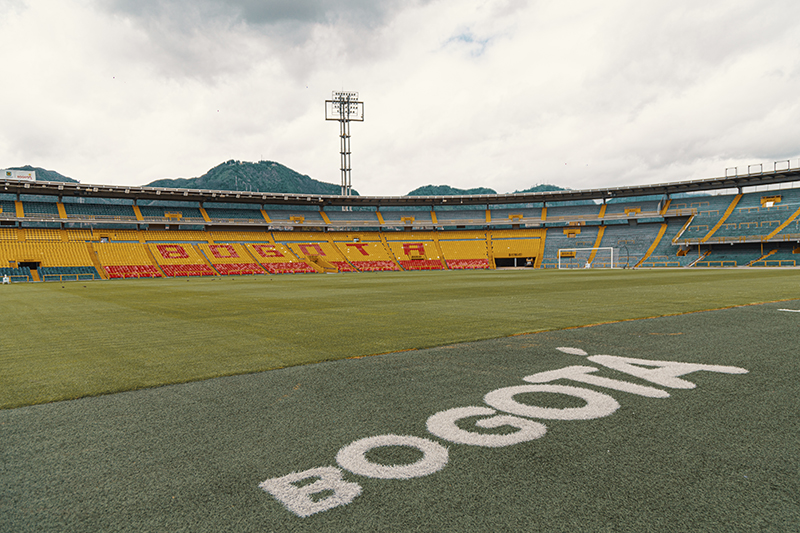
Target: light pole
x=345 y=108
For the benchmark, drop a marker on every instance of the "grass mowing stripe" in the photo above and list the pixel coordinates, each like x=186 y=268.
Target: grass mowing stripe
x=73 y=340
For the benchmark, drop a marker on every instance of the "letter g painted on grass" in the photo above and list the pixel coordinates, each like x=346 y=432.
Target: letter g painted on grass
x=298 y=499
x=443 y=425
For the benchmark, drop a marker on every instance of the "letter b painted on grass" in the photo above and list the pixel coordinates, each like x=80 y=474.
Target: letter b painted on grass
x=298 y=499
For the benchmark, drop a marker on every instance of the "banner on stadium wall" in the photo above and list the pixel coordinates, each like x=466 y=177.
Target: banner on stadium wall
x=25 y=175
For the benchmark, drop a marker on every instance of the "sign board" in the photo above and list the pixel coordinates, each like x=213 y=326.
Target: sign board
x=26 y=175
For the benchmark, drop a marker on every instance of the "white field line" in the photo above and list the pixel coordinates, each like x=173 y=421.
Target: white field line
x=790 y=310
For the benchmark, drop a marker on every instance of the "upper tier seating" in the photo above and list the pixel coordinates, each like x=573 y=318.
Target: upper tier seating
x=237 y=214
x=353 y=218
x=710 y=210
x=312 y=218
x=512 y=216
x=99 y=211
x=8 y=209
x=572 y=212
x=461 y=217
x=162 y=213
x=416 y=218
x=40 y=209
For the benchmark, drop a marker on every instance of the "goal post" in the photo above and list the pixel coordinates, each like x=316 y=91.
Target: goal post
x=569 y=258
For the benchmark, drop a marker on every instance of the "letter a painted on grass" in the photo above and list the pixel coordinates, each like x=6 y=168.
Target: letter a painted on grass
x=299 y=499
x=664 y=373
x=581 y=374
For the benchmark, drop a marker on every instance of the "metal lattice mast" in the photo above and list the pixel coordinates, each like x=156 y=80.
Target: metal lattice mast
x=345 y=108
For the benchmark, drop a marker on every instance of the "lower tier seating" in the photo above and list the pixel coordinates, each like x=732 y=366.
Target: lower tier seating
x=187 y=270
x=343 y=266
x=238 y=269
x=467 y=264
x=68 y=273
x=421 y=264
x=295 y=267
x=132 y=271
x=375 y=266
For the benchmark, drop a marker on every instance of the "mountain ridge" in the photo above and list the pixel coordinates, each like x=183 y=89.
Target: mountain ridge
x=273 y=177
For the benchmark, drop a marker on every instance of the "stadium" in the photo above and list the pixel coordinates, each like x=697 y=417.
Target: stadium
x=167 y=368
x=66 y=231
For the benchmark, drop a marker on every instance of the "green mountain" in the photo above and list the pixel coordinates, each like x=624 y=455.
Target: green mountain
x=541 y=188
x=446 y=190
x=45 y=175
x=264 y=176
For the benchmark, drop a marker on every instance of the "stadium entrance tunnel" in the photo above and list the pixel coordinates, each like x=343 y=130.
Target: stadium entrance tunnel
x=29 y=264
x=510 y=262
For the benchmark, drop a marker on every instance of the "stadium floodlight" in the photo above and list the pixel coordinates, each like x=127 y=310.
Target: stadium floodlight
x=345 y=108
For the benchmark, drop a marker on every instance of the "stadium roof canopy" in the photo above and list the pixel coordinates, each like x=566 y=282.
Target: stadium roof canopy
x=247 y=197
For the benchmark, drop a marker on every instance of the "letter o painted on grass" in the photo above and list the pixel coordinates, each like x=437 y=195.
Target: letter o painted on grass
x=443 y=425
x=597 y=405
x=353 y=457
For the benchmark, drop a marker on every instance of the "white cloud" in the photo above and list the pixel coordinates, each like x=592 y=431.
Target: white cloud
x=502 y=94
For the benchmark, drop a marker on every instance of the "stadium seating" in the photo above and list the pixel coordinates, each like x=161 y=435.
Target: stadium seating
x=695 y=230
x=574 y=237
x=68 y=273
x=42 y=234
x=99 y=211
x=355 y=219
x=416 y=255
x=630 y=243
x=180 y=260
x=171 y=214
x=16 y=274
x=233 y=213
x=665 y=253
x=461 y=218
x=126 y=260
x=40 y=209
x=367 y=256
x=465 y=254
x=8 y=209
x=230 y=259
x=278 y=259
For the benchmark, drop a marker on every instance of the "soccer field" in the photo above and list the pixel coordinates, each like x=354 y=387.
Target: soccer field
x=65 y=341
x=679 y=423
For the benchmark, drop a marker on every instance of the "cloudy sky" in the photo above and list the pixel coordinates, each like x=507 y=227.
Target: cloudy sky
x=497 y=93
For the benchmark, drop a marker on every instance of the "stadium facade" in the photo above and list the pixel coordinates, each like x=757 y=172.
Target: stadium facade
x=68 y=231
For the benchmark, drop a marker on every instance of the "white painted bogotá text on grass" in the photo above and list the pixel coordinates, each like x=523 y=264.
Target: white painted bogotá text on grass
x=330 y=489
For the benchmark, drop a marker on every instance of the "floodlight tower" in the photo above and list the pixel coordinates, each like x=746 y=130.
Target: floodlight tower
x=345 y=108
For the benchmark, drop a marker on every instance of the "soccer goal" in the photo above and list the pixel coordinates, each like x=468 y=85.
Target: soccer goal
x=585 y=258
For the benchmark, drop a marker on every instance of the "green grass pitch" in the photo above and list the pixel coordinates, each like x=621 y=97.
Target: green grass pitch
x=722 y=456
x=64 y=341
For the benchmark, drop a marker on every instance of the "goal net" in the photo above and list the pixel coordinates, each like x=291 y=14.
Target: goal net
x=585 y=258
